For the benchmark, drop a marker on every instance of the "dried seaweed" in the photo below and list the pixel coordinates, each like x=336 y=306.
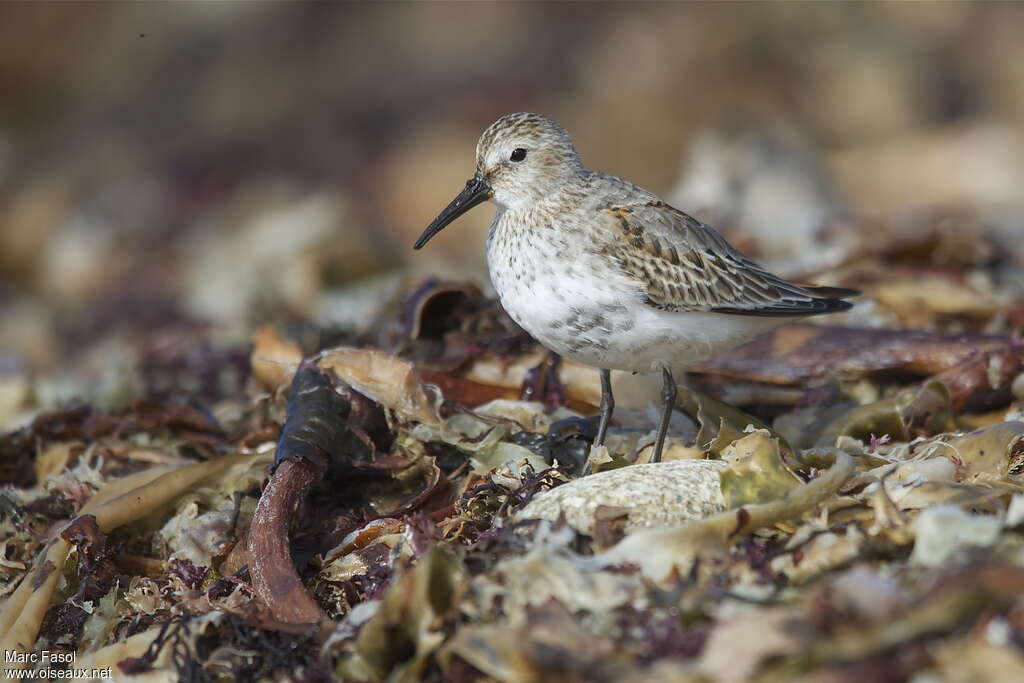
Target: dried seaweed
x=421 y=523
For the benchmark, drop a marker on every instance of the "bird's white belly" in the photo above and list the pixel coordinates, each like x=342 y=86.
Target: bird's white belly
x=601 y=319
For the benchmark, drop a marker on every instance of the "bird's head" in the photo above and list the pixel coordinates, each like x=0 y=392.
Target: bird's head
x=520 y=159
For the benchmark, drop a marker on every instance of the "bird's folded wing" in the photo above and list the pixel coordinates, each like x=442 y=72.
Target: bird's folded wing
x=684 y=265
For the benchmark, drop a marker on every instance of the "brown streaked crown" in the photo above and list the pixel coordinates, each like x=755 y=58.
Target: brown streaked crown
x=549 y=162
x=525 y=127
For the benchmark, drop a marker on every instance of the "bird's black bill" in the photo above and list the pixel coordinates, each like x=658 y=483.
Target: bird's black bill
x=476 y=191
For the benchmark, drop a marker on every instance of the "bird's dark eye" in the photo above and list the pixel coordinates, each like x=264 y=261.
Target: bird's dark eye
x=518 y=154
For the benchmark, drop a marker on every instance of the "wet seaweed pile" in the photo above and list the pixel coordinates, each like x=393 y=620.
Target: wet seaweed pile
x=836 y=502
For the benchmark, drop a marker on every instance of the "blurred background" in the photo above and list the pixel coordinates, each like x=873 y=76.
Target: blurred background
x=173 y=175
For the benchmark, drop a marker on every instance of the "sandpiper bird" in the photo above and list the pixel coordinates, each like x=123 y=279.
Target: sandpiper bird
x=606 y=273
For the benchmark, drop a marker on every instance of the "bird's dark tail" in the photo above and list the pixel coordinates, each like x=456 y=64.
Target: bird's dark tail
x=808 y=300
x=822 y=292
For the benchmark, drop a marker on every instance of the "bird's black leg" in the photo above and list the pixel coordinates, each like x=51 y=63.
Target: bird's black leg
x=668 y=402
x=607 y=406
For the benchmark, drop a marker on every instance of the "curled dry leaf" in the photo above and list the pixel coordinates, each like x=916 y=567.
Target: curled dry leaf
x=274 y=359
x=719 y=423
x=386 y=379
x=433 y=305
x=990 y=453
x=755 y=472
x=397 y=640
x=442 y=325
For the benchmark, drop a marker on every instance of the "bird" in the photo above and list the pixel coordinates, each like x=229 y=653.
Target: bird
x=607 y=274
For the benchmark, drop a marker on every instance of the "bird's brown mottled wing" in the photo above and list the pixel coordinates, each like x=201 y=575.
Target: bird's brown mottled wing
x=684 y=265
